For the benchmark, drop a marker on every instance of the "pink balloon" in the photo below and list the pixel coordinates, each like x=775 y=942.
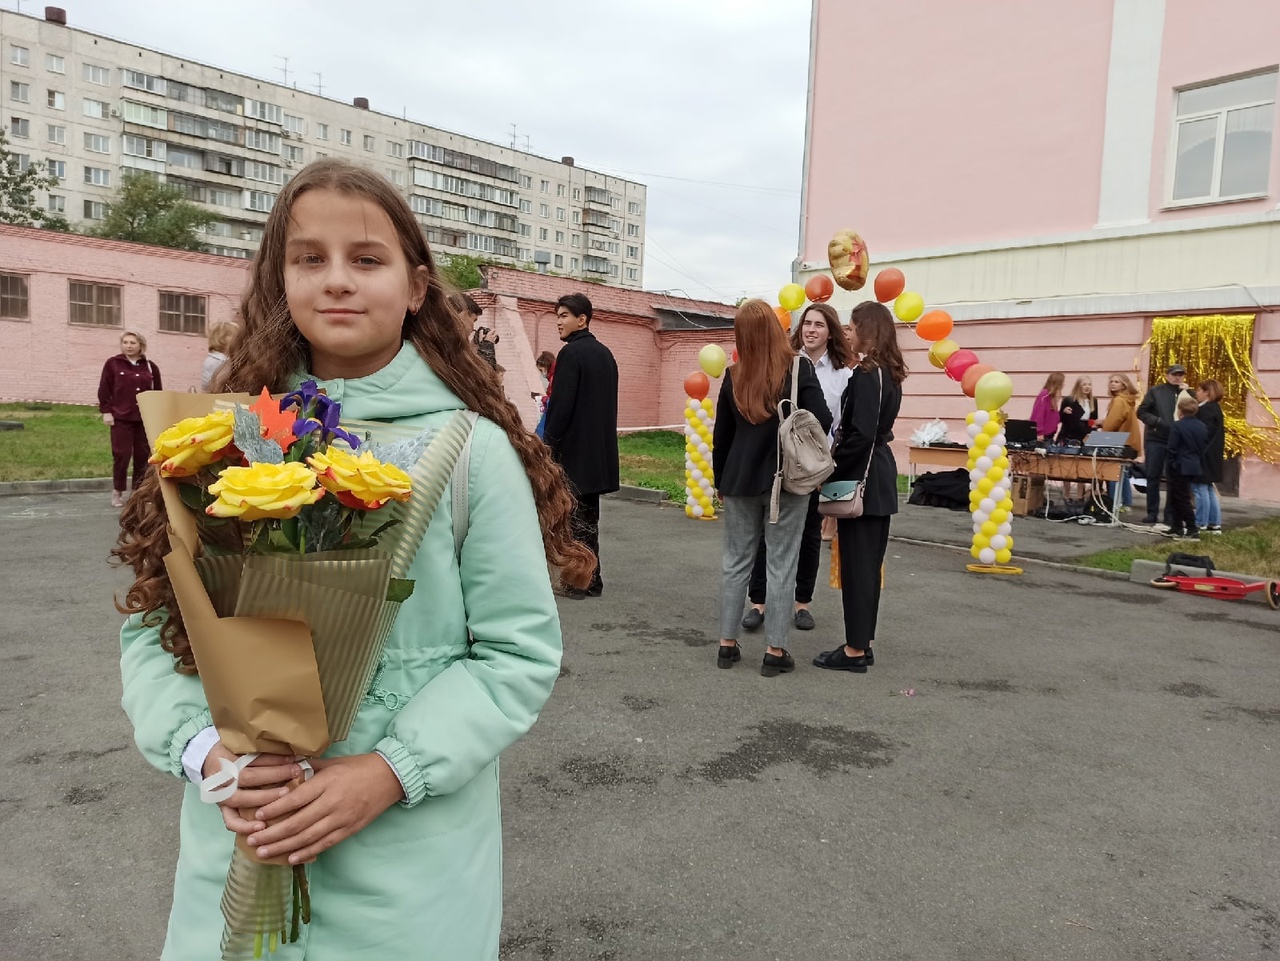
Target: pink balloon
x=959 y=362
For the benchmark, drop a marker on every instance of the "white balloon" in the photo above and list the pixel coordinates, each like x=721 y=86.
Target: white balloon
x=973 y=430
x=984 y=464
x=694 y=404
x=980 y=417
x=705 y=484
x=697 y=512
x=977 y=527
x=997 y=494
x=977 y=475
x=1006 y=528
x=980 y=518
x=987 y=505
x=987 y=555
x=697 y=474
x=702 y=415
x=994 y=452
x=998 y=542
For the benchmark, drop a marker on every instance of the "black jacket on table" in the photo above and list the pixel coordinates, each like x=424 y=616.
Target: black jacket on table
x=744 y=455
x=1188 y=440
x=1157 y=410
x=582 y=414
x=1210 y=414
x=864 y=434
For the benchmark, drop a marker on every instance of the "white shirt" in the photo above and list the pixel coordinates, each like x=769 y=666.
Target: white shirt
x=833 y=383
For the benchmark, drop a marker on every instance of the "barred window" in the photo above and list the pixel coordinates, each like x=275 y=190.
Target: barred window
x=13 y=297
x=95 y=305
x=182 y=313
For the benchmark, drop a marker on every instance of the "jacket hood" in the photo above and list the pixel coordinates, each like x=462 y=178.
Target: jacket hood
x=406 y=387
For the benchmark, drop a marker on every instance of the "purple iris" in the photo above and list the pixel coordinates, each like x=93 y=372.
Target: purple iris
x=317 y=412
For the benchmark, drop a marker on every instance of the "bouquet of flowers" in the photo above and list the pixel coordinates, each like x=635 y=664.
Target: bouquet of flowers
x=288 y=573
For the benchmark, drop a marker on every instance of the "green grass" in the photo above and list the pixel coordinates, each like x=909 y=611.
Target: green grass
x=58 y=441
x=1246 y=550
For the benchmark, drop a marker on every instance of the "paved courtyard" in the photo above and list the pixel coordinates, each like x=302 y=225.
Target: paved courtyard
x=1086 y=769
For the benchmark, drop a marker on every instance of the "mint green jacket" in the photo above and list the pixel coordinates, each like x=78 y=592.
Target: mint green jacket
x=424 y=880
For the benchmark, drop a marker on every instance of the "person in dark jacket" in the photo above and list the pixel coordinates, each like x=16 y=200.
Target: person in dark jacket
x=1208 y=507
x=581 y=425
x=745 y=458
x=871 y=405
x=124 y=377
x=1157 y=412
x=1188 y=441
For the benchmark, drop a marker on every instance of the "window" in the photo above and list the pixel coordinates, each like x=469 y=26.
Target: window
x=544 y=210
x=150 y=116
x=19 y=127
x=322 y=131
x=95 y=305
x=615 y=225
x=19 y=56
x=19 y=92
x=560 y=188
x=396 y=177
x=54 y=64
x=559 y=236
x=260 y=200
x=24 y=160
x=346 y=137
x=95 y=74
x=96 y=143
x=613 y=270
x=267 y=173
x=526 y=206
x=577 y=193
x=56 y=99
x=57 y=168
x=633 y=230
x=573 y=263
x=560 y=214
x=98 y=176
x=217 y=228
x=542 y=233
x=226 y=102
x=184 y=157
x=142 y=147
x=633 y=273
x=525 y=230
x=13 y=297
x=182 y=313
x=141 y=81
x=545 y=186
x=526 y=181
x=368 y=142
x=94 y=210
x=294 y=124
x=221 y=197
x=57 y=204
x=262 y=140
x=1222 y=139
x=577 y=216
x=558 y=261
x=615 y=203
x=96 y=108
x=263 y=111
x=292 y=153
x=633 y=207
x=575 y=240
x=395 y=149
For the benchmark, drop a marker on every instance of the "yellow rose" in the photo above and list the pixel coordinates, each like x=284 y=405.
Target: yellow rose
x=193 y=443
x=363 y=482
x=264 y=491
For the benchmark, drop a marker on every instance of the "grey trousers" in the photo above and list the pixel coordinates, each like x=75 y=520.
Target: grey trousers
x=744 y=518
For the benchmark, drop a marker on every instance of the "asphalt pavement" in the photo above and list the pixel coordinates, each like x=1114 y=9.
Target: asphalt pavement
x=1048 y=766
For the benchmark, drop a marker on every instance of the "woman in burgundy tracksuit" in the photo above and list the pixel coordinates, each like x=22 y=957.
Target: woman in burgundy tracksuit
x=124 y=377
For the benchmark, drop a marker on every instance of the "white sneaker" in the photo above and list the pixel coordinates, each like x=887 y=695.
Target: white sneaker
x=1160 y=528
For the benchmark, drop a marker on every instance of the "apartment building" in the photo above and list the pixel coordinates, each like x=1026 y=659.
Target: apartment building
x=94 y=108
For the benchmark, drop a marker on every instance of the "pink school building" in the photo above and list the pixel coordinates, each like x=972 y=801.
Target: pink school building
x=1055 y=176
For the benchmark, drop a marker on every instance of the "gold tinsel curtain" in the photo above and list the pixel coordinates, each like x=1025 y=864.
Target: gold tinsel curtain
x=1218 y=347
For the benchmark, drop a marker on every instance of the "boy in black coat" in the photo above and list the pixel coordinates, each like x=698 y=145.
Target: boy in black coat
x=1188 y=441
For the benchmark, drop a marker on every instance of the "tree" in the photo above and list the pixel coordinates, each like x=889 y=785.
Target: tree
x=463 y=271
x=18 y=187
x=147 y=211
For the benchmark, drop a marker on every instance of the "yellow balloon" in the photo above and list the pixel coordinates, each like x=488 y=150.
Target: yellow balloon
x=712 y=360
x=791 y=297
x=981 y=540
x=1004 y=556
x=1006 y=504
x=985 y=485
x=999 y=515
x=990 y=529
x=940 y=351
x=1008 y=542
x=1002 y=462
x=706 y=401
x=974 y=551
x=968 y=418
x=995 y=474
x=993 y=390
x=908 y=306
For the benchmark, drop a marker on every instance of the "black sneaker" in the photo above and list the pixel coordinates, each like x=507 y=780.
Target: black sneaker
x=728 y=655
x=1188 y=535
x=838 y=660
x=1213 y=529
x=752 y=619
x=775 y=664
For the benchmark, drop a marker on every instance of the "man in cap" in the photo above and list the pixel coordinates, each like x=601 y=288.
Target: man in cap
x=1157 y=411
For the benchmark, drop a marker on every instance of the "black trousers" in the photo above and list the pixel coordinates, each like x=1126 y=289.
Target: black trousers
x=128 y=442
x=1182 y=511
x=1153 y=457
x=806 y=570
x=863 y=542
x=586 y=528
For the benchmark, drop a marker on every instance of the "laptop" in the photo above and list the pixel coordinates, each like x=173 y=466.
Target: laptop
x=1107 y=438
x=1020 y=432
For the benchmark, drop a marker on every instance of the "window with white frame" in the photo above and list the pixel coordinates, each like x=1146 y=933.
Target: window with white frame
x=95 y=74
x=396 y=177
x=13 y=297
x=526 y=206
x=577 y=193
x=269 y=112
x=346 y=138
x=95 y=210
x=98 y=176
x=560 y=189
x=573 y=263
x=141 y=81
x=526 y=181
x=542 y=233
x=560 y=214
x=322 y=131
x=57 y=168
x=146 y=114
x=544 y=210
x=1222 y=137
x=19 y=56
x=135 y=146
x=558 y=262
x=633 y=207
x=577 y=216
x=544 y=186
x=95 y=305
x=56 y=100
x=184 y=157
x=395 y=149
x=19 y=92
x=182 y=313
x=368 y=142
x=24 y=160
x=57 y=204
x=223 y=197
x=525 y=230
x=96 y=108
x=633 y=252
x=262 y=140
x=260 y=200
x=19 y=128
x=294 y=124
x=559 y=236
x=575 y=240
x=265 y=172
x=96 y=143
x=633 y=273
x=54 y=64
x=633 y=230
x=292 y=153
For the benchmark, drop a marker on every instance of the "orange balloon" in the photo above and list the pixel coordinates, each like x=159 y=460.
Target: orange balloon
x=889 y=283
x=819 y=288
x=784 y=317
x=697 y=384
x=934 y=326
x=969 y=379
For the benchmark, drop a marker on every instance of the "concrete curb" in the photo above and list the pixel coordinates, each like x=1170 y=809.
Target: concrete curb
x=1142 y=572
x=644 y=495
x=1056 y=565
x=75 y=485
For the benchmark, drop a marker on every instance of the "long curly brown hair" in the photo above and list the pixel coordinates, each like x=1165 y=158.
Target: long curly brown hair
x=269 y=349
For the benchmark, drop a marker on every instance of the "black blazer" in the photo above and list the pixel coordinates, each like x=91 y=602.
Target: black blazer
x=1075 y=416
x=582 y=414
x=744 y=455
x=1210 y=414
x=1188 y=440
x=863 y=435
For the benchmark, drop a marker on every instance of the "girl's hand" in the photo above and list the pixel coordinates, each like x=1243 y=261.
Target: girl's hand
x=344 y=796
x=261 y=782
x=109 y=420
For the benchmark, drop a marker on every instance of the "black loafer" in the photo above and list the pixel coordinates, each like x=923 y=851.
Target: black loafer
x=777 y=664
x=838 y=660
x=804 y=620
x=728 y=655
x=752 y=619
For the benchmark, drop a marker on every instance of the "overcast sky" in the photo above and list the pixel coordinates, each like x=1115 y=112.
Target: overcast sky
x=701 y=100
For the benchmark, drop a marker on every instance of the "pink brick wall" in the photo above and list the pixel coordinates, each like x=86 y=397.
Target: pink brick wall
x=47 y=359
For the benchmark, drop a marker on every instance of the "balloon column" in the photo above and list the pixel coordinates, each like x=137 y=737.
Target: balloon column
x=699 y=423
x=990 y=493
